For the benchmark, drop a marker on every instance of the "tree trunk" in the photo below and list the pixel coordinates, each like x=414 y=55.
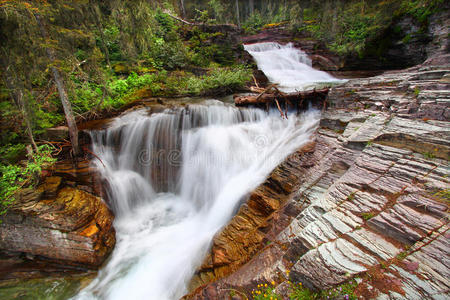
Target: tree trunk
x=237 y=14
x=285 y=10
x=251 y=6
x=182 y=9
x=268 y=97
x=71 y=124
x=102 y=35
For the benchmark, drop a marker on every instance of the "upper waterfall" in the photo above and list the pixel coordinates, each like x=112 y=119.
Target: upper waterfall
x=287 y=66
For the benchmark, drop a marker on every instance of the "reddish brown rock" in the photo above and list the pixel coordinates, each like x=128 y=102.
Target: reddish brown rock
x=60 y=223
x=252 y=225
x=371 y=204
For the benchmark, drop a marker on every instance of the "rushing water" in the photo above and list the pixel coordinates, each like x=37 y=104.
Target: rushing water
x=287 y=66
x=175 y=178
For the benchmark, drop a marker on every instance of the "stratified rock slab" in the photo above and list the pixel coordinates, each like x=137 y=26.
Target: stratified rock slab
x=372 y=203
x=59 y=223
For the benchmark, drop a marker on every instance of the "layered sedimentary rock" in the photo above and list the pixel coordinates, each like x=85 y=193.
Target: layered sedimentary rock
x=61 y=222
x=372 y=203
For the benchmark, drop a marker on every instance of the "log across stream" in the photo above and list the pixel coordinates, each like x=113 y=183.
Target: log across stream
x=273 y=97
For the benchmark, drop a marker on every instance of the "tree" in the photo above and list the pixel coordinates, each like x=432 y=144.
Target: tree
x=16 y=91
x=182 y=9
x=71 y=124
x=237 y=14
x=15 y=60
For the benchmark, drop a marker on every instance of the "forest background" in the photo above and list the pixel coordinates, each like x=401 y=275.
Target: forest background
x=64 y=62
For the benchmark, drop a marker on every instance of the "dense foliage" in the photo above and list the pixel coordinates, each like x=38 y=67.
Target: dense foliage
x=350 y=26
x=15 y=176
x=107 y=54
x=344 y=26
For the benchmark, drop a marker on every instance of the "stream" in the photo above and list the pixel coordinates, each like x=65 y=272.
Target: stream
x=175 y=178
x=179 y=176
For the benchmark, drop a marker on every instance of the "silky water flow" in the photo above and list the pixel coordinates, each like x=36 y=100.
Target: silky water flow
x=176 y=177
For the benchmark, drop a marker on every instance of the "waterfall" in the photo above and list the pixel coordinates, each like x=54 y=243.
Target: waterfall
x=287 y=66
x=174 y=179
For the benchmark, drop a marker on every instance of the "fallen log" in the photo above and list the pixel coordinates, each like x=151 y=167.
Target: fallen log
x=293 y=98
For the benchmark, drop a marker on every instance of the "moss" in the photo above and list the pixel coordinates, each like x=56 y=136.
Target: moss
x=407 y=38
x=429 y=155
x=121 y=68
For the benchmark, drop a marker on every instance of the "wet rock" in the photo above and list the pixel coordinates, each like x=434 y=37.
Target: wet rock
x=59 y=223
x=245 y=234
x=370 y=204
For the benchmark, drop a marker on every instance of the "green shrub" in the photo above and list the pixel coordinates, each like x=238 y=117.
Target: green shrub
x=299 y=292
x=254 y=23
x=344 y=291
x=227 y=79
x=13 y=176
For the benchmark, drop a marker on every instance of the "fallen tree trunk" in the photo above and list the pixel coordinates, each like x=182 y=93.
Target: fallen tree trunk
x=266 y=97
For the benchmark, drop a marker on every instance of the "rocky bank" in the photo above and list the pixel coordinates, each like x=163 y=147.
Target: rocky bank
x=62 y=224
x=367 y=200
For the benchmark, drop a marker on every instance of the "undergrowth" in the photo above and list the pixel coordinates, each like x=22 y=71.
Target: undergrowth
x=297 y=291
x=16 y=176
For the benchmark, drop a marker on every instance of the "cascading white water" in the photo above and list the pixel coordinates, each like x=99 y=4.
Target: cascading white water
x=175 y=179
x=287 y=66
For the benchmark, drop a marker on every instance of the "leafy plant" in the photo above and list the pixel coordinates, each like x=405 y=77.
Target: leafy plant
x=299 y=292
x=265 y=292
x=14 y=176
x=344 y=291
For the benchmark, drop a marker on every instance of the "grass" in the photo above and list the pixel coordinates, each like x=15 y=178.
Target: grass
x=298 y=292
x=443 y=196
x=351 y=196
x=428 y=155
x=367 y=216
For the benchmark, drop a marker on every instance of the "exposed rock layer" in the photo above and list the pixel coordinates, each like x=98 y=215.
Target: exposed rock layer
x=372 y=202
x=60 y=221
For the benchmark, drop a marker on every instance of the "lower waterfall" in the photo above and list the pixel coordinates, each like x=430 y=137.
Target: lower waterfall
x=174 y=179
